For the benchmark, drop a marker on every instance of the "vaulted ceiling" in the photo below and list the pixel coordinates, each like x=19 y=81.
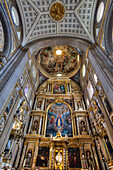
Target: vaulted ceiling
x=38 y=22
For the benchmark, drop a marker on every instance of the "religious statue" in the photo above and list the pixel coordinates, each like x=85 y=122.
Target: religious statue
x=83 y=130
x=35 y=126
x=89 y=160
x=39 y=103
x=59 y=158
x=28 y=158
x=79 y=104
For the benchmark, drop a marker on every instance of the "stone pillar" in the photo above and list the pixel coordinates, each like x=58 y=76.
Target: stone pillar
x=109 y=128
x=100 y=155
x=14 y=151
x=95 y=157
x=19 y=153
x=23 y=154
x=101 y=70
x=30 y=125
x=35 y=155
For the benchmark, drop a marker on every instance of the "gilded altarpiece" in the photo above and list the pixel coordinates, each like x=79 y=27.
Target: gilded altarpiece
x=59 y=136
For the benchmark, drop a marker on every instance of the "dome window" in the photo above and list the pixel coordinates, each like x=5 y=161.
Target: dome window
x=15 y=16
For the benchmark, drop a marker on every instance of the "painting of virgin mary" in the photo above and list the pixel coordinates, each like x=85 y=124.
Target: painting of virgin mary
x=59 y=119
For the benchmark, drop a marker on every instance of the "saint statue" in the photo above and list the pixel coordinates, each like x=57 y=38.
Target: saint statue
x=59 y=158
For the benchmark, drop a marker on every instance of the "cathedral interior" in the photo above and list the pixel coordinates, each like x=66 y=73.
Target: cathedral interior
x=56 y=84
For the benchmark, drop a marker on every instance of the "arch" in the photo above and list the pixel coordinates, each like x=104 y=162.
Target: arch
x=99 y=13
x=108 y=35
x=7 y=30
x=16 y=18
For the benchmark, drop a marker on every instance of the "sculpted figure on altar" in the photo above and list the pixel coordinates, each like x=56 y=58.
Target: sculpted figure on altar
x=28 y=158
x=35 y=126
x=59 y=158
x=83 y=128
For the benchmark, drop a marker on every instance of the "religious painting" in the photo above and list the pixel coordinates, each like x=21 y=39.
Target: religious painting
x=53 y=63
x=59 y=119
x=74 y=158
x=43 y=157
x=59 y=88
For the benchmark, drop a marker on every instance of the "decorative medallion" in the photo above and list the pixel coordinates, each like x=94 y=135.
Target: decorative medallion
x=60 y=60
x=57 y=11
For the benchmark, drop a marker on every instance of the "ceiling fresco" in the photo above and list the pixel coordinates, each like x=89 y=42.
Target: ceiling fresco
x=46 y=18
x=67 y=63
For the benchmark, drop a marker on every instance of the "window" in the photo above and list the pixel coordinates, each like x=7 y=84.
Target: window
x=15 y=16
x=100 y=12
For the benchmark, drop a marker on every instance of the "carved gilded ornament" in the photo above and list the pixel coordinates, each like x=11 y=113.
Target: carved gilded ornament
x=57 y=11
x=59 y=99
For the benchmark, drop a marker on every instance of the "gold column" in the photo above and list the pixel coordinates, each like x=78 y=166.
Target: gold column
x=51 y=157
x=43 y=123
x=75 y=130
x=67 y=162
x=35 y=155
